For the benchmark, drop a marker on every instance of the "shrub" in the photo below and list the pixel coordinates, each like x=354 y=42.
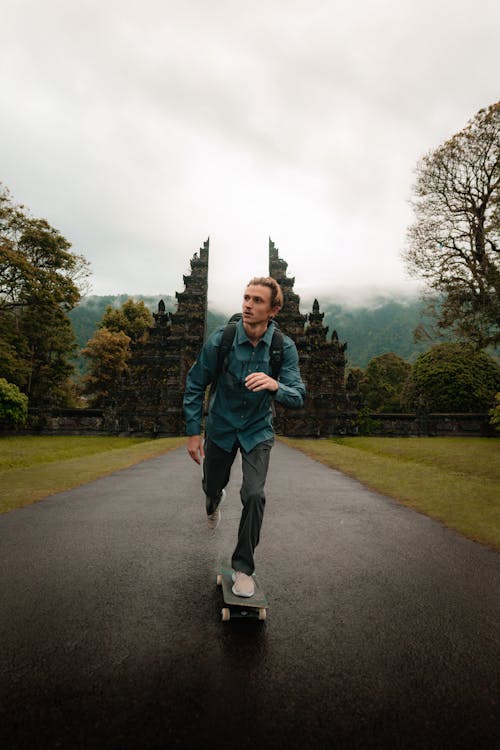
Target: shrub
x=453 y=377
x=13 y=405
x=383 y=383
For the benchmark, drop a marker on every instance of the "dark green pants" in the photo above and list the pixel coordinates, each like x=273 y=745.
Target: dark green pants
x=216 y=472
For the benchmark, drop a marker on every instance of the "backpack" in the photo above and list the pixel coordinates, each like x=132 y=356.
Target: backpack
x=228 y=334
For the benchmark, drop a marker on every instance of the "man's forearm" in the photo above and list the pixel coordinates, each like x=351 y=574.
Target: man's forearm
x=193 y=408
x=290 y=397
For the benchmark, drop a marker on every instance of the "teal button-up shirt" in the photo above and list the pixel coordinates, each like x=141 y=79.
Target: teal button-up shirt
x=235 y=412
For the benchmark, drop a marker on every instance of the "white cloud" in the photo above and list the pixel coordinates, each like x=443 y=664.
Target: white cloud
x=140 y=128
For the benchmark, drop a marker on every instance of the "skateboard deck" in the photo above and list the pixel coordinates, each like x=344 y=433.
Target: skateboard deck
x=238 y=607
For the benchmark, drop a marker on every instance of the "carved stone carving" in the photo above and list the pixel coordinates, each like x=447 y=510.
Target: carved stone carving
x=322 y=362
x=149 y=398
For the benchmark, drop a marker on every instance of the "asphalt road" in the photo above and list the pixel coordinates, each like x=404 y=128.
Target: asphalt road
x=383 y=630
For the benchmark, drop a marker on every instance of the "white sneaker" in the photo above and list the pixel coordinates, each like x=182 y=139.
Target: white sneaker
x=243 y=584
x=213 y=520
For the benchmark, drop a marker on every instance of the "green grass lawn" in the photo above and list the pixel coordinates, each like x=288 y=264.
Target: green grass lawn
x=454 y=480
x=33 y=467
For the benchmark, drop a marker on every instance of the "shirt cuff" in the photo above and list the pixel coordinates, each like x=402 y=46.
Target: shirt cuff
x=193 y=428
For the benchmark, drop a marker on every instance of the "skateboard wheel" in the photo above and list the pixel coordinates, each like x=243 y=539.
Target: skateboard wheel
x=262 y=614
x=219 y=580
x=226 y=614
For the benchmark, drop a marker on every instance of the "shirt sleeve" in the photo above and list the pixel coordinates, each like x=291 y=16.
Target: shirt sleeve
x=291 y=390
x=199 y=376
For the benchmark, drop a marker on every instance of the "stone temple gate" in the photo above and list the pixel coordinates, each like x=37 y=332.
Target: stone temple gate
x=149 y=398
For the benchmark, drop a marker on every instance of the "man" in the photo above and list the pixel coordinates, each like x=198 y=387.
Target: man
x=240 y=416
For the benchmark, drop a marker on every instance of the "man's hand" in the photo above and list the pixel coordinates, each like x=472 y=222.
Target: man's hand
x=259 y=381
x=195 y=448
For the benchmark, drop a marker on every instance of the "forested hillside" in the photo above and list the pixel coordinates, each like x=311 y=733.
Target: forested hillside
x=369 y=331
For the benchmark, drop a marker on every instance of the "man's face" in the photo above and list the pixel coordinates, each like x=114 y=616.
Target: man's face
x=256 y=306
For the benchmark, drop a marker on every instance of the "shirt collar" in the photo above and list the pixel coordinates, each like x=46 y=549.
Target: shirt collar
x=241 y=335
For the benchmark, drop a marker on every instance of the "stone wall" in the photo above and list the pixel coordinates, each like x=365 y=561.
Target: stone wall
x=93 y=422
x=432 y=425
x=65 y=422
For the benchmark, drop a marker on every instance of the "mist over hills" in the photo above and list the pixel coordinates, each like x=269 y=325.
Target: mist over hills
x=371 y=331
x=372 y=328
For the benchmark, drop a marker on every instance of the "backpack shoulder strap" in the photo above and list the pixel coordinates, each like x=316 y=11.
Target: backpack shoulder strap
x=225 y=345
x=226 y=342
x=276 y=353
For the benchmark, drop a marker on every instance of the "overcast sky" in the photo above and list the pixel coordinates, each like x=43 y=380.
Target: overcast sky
x=140 y=128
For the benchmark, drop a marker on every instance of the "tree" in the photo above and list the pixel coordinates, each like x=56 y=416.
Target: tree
x=383 y=382
x=454 y=243
x=107 y=353
x=109 y=349
x=132 y=318
x=40 y=281
x=13 y=405
x=453 y=377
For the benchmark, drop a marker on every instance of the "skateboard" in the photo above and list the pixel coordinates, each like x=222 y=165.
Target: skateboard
x=238 y=607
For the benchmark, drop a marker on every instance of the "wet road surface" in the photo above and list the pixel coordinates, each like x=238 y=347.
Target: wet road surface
x=383 y=628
